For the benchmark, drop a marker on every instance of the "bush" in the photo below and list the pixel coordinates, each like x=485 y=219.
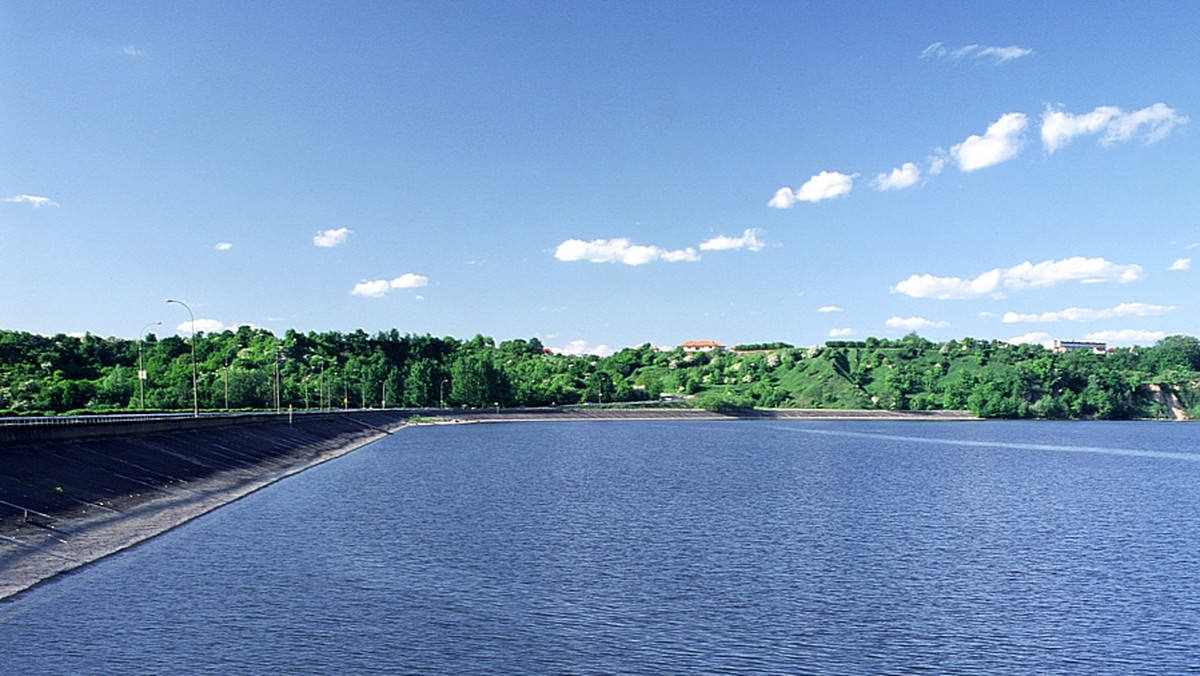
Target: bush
x=722 y=401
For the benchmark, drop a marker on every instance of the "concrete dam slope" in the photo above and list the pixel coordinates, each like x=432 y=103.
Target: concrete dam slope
x=73 y=494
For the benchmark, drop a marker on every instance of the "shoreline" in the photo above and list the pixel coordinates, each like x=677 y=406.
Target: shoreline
x=44 y=547
x=585 y=413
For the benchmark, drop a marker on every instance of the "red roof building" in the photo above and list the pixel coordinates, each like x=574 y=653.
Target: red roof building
x=701 y=346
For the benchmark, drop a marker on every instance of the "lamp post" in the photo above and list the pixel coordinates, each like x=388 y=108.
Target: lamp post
x=195 y=387
x=321 y=388
x=441 y=393
x=277 y=387
x=141 y=369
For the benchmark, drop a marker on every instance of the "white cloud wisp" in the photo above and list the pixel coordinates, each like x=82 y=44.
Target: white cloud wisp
x=999 y=55
x=580 y=348
x=1152 y=123
x=379 y=287
x=914 y=323
x=1002 y=141
x=1083 y=314
x=901 y=177
x=823 y=186
x=748 y=240
x=203 y=326
x=996 y=282
x=1127 y=336
x=620 y=250
x=35 y=200
x=1032 y=338
x=332 y=237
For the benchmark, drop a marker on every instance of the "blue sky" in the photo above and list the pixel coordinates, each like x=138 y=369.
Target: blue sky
x=601 y=175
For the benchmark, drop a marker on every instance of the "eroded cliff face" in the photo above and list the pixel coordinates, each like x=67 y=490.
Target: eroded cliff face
x=1169 y=400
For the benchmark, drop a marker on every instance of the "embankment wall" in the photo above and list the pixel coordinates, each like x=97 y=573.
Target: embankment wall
x=73 y=493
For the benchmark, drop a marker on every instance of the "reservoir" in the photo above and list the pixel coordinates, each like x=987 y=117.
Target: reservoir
x=634 y=547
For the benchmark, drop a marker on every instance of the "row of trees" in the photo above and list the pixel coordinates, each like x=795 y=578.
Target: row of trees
x=254 y=369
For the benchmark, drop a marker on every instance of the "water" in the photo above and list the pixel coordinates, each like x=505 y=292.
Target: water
x=864 y=547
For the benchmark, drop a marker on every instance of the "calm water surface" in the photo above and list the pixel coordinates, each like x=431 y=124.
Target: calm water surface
x=866 y=547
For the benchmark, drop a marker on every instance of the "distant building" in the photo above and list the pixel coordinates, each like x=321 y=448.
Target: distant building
x=702 y=346
x=1073 y=345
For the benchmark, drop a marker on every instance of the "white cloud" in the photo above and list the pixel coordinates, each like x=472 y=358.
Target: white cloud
x=784 y=199
x=829 y=308
x=1153 y=123
x=901 y=177
x=224 y=246
x=914 y=323
x=1058 y=128
x=823 y=186
x=960 y=52
x=378 y=287
x=947 y=288
x=1076 y=268
x=937 y=162
x=582 y=348
x=1159 y=119
x=687 y=255
x=748 y=240
x=1002 y=141
x=1026 y=275
x=939 y=50
x=374 y=289
x=1082 y=314
x=1036 y=337
x=409 y=280
x=130 y=50
x=332 y=237
x=202 y=325
x=620 y=250
x=1181 y=264
x=1004 y=54
x=840 y=333
x=36 y=201
x=1127 y=336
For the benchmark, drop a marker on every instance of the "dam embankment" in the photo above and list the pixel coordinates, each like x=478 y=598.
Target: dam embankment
x=72 y=494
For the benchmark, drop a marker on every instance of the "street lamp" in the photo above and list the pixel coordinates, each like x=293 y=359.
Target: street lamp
x=195 y=387
x=141 y=369
x=441 y=393
x=278 y=356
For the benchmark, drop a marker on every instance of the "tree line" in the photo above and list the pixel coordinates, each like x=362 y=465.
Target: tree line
x=252 y=369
